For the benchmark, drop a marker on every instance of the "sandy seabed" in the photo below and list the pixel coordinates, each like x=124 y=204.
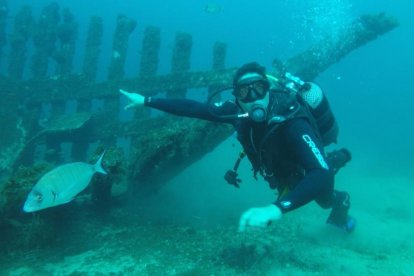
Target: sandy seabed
x=125 y=243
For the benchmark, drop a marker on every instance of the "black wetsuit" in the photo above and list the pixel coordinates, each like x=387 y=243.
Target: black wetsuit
x=293 y=158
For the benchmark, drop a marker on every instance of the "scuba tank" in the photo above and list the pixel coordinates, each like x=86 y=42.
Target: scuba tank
x=318 y=104
x=321 y=111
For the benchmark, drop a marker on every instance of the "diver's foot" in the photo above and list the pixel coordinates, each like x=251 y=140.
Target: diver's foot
x=348 y=226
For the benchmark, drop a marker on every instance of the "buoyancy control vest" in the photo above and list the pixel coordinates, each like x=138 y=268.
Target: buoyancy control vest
x=284 y=106
x=291 y=98
x=303 y=100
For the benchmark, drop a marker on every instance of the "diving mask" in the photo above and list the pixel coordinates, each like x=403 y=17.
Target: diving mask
x=251 y=89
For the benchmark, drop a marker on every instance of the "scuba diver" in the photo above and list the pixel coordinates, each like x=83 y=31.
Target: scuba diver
x=283 y=126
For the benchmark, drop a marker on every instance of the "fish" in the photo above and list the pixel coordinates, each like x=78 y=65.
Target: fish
x=116 y=55
x=212 y=8
x=61 y=185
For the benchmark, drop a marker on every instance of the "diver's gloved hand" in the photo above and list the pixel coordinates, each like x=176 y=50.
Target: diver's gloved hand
x=135 y=98
x=259 y=217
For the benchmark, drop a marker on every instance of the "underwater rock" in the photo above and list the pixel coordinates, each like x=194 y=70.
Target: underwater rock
x=245 y=256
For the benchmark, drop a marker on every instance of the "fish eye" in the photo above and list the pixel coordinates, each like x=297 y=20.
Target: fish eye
x=39 y=197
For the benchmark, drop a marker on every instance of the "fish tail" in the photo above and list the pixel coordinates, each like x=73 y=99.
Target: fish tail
x=98 y=165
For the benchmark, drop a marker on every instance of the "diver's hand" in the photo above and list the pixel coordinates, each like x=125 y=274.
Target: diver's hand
x=135 y=98
x=259 y=217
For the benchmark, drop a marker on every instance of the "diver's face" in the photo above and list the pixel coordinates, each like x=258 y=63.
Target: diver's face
x=251 y=90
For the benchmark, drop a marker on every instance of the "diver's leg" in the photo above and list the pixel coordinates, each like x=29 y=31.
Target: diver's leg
x=339 y=214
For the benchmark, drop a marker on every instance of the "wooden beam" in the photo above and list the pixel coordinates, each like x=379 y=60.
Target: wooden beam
x=310 y=63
